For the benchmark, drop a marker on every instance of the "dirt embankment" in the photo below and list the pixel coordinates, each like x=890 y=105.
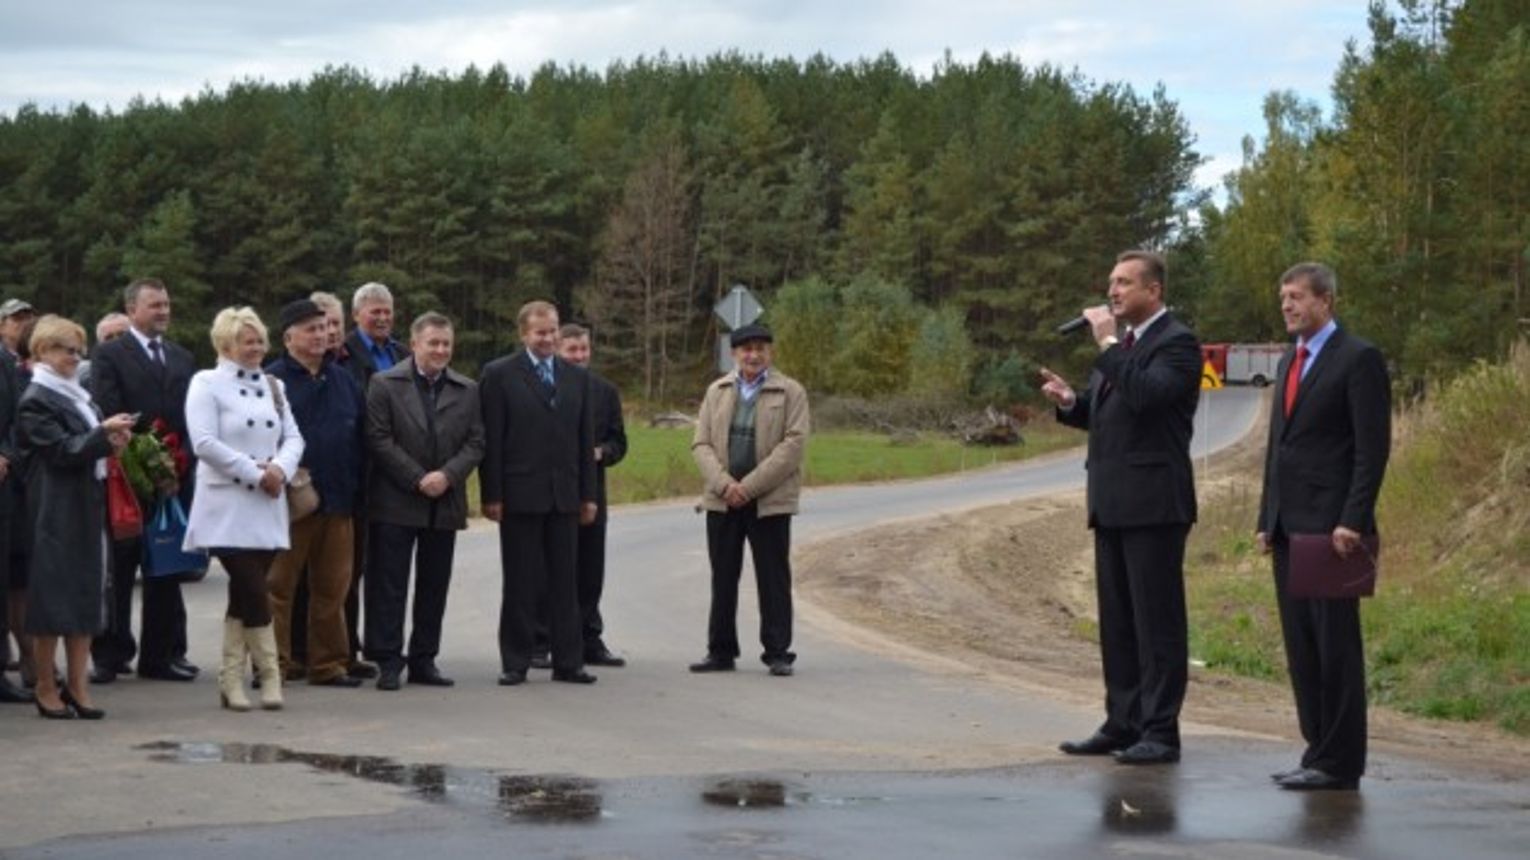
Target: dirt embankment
x=1009 y=590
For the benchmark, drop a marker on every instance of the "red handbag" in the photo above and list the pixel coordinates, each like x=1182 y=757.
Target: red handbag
x=123 y=512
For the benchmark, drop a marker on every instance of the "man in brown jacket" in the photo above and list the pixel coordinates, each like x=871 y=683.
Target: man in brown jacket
x=748 y=444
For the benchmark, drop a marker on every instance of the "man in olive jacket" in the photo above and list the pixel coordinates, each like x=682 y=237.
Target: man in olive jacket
x=749 y=446
x=425 y=432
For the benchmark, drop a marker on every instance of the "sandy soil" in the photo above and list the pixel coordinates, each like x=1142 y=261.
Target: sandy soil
x=1009 y=590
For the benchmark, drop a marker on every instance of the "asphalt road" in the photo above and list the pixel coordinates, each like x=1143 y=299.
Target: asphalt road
x=869 y=749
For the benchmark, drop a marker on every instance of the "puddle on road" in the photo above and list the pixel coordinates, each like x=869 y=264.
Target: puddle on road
x=541 y=799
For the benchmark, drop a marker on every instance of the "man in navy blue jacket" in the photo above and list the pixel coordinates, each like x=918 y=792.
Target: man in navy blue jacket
x=330 y=411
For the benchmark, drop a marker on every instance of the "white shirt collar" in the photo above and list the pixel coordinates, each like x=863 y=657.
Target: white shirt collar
x=144 y=340
x=1139 y=329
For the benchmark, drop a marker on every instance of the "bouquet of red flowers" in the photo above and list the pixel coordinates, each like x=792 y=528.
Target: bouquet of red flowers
x=154 y=462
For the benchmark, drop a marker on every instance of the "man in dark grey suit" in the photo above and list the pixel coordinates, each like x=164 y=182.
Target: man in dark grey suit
x=1139 y=409
x=538 y=483
x=425 y=433
x=1330 y=436
x=143 y=373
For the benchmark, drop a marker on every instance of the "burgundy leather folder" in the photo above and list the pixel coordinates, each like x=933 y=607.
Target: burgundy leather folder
x=1316 y=571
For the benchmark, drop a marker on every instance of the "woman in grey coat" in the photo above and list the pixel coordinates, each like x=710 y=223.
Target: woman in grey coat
x=66 y=495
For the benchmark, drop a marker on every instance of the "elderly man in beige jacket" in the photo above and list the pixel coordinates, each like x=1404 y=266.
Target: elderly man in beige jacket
x=748 y=444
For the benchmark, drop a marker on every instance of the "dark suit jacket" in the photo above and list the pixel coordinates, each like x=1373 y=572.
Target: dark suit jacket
x=610 y=430
x=538 y=456
x=1140 y=427
x=123 y=378
x=360 y=362
x=10 y=395
x=406 y=444
x=1323 y=467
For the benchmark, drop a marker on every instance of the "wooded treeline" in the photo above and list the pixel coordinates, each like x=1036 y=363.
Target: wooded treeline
x=980 y=203
x=1417 y=190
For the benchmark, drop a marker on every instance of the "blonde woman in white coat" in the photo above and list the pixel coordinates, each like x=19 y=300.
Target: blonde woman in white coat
x=247 y=446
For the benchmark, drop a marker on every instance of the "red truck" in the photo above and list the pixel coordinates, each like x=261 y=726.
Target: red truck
x=1244 y=363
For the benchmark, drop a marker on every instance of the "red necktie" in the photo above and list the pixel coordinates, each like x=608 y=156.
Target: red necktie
x=1131 y=338
x=1294 y=378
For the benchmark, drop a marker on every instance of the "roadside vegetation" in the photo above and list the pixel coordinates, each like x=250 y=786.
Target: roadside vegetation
x=1448 y=632
x=658 y=464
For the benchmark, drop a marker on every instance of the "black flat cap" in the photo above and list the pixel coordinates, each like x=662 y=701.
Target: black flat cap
x=300 y=311
x=753 y=331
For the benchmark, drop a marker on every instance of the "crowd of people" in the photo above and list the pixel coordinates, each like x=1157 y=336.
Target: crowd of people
x=340 y=466
x=323 y=478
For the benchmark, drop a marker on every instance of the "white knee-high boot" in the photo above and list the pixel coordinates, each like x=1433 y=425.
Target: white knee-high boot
x=262 y=645
x=231 y=671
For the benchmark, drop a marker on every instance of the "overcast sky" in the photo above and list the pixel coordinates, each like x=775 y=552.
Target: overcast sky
x=1217 y=59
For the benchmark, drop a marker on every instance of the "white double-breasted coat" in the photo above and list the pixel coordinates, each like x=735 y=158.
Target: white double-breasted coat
x=235 y=429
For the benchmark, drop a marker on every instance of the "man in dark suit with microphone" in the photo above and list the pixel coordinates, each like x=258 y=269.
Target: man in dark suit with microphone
x=1330 y=435
x=537 y=481
x=1139 y=409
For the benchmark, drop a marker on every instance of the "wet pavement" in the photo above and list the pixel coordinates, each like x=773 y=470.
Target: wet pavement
x=1217 y=804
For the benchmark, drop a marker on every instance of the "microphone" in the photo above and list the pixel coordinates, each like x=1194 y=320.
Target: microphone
x=1073 y=325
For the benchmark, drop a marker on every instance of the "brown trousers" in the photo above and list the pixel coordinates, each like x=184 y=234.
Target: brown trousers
x=321 y=544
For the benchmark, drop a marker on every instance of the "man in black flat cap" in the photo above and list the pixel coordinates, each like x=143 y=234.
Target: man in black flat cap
x=327 y=403
x=748 y=445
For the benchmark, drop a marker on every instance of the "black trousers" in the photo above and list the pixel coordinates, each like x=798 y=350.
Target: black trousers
x=590 y=561
x=1144 y=642
x=1326 y=660
x=387 y=592
x=770 y=543
x=162 y=631
x=537 y=555
x=361 y=536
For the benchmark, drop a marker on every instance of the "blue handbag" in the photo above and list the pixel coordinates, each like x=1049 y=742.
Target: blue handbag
x=162 y=538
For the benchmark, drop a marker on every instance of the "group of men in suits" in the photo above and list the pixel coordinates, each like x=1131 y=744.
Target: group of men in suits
x=1329 y=438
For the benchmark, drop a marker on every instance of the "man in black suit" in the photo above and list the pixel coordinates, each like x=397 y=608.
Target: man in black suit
x=10 y=393
x=369 y=349
x=538 y=482
x=610 y=447
x=144 y=373
x=1330 y=435
x=1139 y=409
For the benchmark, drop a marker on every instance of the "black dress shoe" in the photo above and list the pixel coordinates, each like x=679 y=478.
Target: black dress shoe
x=1312 y=779
x=14 y=695
x=102 y=674
x=603 y=657
x=1285 y=774
x=64 y=713
x=1098 y=743
x=336 y=681
x=166 y=673
x=713 y=664
x=184 y=665
x=387 y=679
x=1148 y=752
x=364 y=671
x=541 y=661
x=512 y=678
x=574 y=676
x=429 y=676
x=781 y=669
x=81 y=711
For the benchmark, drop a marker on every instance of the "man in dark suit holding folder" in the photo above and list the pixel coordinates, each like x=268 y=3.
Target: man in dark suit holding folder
x=1330 y=433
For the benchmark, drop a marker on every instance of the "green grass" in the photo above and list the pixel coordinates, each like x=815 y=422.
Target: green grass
x=1447 y=635
x=658 y=464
